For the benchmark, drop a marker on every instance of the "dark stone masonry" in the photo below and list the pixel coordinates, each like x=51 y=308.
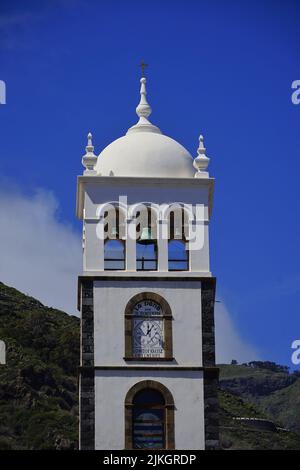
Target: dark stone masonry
x=87 y=389
x=211 y=372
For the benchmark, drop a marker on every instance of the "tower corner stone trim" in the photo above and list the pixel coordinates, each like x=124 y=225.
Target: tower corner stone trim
x=211 y=375
x=87 y=374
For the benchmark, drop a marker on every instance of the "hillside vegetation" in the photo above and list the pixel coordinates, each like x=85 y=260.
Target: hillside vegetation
x=38 y=386
x=267 y=386
x=256 y=391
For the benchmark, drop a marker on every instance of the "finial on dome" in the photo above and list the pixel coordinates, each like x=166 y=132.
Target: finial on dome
x=89 y=160
x=201 y=161
x=143 y=110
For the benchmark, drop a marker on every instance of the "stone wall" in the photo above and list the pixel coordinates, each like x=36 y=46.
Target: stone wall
x=211 y=373
x=87 y=380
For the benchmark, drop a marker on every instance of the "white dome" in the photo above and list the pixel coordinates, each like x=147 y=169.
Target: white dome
x=145 y=153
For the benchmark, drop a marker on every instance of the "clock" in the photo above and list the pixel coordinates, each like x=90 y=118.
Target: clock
x=148 y=330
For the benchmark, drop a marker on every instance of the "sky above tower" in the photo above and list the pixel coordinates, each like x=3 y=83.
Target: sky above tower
x=219 y=68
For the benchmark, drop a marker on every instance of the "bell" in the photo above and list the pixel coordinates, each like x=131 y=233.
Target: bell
x=114 y=232
x=146 y=237
x=178 y=232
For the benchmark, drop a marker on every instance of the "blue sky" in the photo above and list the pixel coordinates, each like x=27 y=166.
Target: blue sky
x=221 y=68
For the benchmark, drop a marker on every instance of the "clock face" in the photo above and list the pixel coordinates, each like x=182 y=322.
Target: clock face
x=148 y=333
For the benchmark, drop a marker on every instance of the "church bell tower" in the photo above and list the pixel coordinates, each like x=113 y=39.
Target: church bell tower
x=147 y=377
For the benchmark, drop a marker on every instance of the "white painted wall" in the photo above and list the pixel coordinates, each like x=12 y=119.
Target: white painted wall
x=142 y=192
x=110 y=300
x=112 y=386
x=93 y=258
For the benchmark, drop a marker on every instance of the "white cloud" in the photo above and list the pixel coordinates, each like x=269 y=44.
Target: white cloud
x=39 y=255
x=229 y=344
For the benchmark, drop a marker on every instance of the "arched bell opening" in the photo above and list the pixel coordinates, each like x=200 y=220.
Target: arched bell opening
x=178 y=254
x=114 y=244
x=146 y=246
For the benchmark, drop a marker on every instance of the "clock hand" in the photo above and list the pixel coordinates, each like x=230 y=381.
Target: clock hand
x=150 y=329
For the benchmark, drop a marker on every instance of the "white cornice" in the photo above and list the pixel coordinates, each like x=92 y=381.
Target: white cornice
x=82 y=181
x=149 y=274
x=138 y=180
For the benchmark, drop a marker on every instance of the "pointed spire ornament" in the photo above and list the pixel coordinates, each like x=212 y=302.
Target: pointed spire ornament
x=89 y=160
x=201 y=161
x=143 y=110
x=90 y=147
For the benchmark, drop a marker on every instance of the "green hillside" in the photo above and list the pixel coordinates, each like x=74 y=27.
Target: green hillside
x=39 y=390
x=269 y=387
x=235 y=435
x=38 y=386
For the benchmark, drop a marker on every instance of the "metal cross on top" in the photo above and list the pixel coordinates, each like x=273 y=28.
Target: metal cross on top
x=143 y=66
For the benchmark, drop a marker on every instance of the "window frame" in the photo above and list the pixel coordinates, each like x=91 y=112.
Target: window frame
x=166 y=317
x=123 y=260
x=182 y=238
x=169 y=415
x=187 y=260
x=144 y=261
x=149 y=220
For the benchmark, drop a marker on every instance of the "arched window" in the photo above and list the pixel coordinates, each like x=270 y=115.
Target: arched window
x=148 y=425
x=148 y=328
x=146 y=247
x=149 y=417
x=178 y=255
x=114 y=245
